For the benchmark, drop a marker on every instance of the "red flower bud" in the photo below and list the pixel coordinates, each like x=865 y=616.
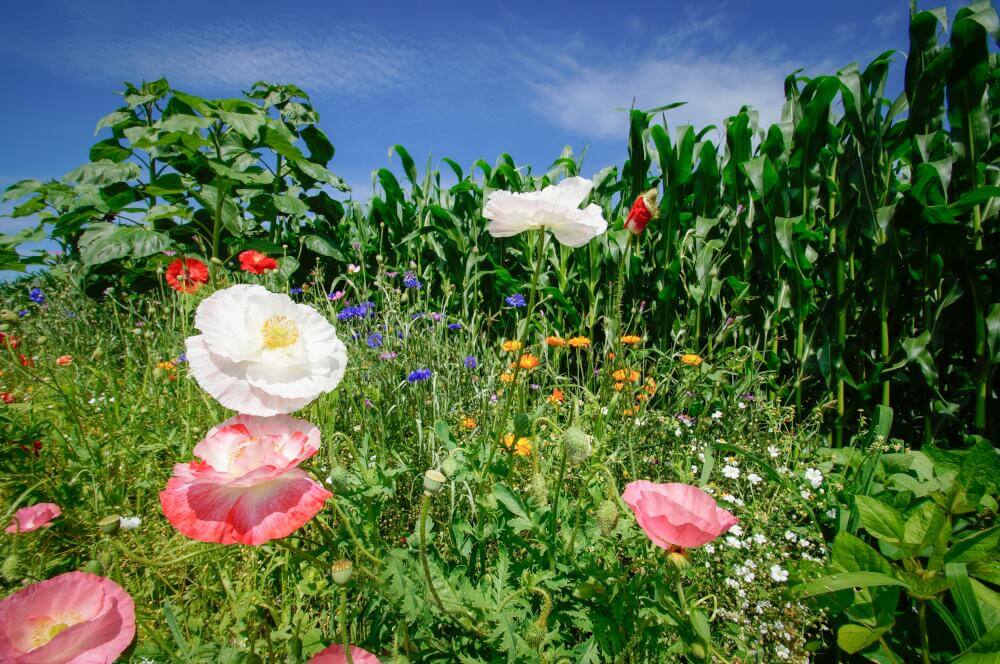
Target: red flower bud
x=643 y=209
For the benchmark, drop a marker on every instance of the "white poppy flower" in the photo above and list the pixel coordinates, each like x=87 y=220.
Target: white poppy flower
x=556 y=207
x=260 y=353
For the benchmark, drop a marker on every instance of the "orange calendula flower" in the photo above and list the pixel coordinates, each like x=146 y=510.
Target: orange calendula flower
x=555 y=342
x=511 y=346
x=579 y=342
x=623 y=375
x=507 y=377
x=619 y=386
x=557 y=396
x=527 y=361
x=523 y=447
x=468 y=423
x=64 y=360
x=631 y=339
x=611 y=356
x=650 y=386
x=691 y=359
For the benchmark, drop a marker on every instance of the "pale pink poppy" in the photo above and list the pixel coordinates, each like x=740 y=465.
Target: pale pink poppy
x=74 y=618
x=677 y=515
x=33 y=517
x=335 y=655
x=247 y=487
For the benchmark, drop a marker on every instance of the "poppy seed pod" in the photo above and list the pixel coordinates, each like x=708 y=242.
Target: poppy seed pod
x=110 y=525
x=433 y=481
x=341 y=571
x=643 y=210
x=607 y=516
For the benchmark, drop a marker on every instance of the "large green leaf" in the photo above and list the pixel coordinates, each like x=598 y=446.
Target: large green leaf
x=105 y=242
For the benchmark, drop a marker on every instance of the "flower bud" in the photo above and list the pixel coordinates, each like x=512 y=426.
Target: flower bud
x=41 y=340
x=92 y=567
x=433 y=481
x=538 y=489
x=607 y=516
x=341 y=571
x=11 y=570
x=215 y=261
x=109 y=525
x=577 y=444
x=449 y=466
x=643 y=210
x=698 y=650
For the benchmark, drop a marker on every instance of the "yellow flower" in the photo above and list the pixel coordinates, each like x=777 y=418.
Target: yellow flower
x=619 y=386
x=507 y=377
x=579 y=342
x=523 y=447
x=166 y=365
x=631 y=339
x=691 y=359
x=623 y=375
x=555 y=342
x=511 y=346
x=557 y=396
x=468 y=423
x=650 y=386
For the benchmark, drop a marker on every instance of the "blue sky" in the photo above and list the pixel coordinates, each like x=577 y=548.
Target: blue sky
x=463 y=80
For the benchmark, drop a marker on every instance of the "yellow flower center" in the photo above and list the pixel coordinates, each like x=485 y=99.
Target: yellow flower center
x=279 y=332
x=47 y=629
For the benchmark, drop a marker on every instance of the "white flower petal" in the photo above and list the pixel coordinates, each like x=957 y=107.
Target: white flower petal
x=555 y=207
x=569 y=193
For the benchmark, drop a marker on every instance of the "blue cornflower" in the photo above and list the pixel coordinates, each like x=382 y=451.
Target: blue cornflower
x=296 y=291
x=417 y=316
x=36 y=295
x=182 y=358
x=454 y=326
x=363 y=310
x=470 y=362
x=374 y=340
x=410 y=280
x=516 y=300
x=419 y=375
x=23 y=312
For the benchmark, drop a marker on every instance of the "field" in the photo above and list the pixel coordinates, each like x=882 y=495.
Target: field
x=732 y=401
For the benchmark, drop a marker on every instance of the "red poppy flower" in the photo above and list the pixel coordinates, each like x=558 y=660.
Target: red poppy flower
x=7 y=397
x=255 y=262
x=9 y=340
x=643 y=209
x=187 y=275
x=26 y=361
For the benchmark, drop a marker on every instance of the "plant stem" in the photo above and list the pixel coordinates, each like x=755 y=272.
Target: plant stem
x=344 y=635
x=924 y=637
x=555 y=510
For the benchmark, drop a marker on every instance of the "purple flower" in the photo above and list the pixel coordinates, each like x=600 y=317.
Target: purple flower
x=388 y=355
x=182 y=358
x=410 y=280
x=23 y=312
x=333 y=297
x=419 y=375
x=356 y=246
x=369 y=404
x=454 y=326
x=436 y=317
x=417 y=316
x=470 y=362
x=374 y=340
x=363 y=310
x=36 y=295
x=296 y=291
x=516 y=300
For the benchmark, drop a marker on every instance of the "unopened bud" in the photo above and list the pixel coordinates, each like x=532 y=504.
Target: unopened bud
x=538 y=489
x=341 y=571
x=433 y=481
x=643 y=210
x=607 y=516
x=698 y=650
x=215 y=261
x=449 y=466
x=11 y=568
x=578 y=445
x=92 y=567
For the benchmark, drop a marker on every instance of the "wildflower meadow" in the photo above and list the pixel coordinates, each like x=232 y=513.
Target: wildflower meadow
x=732 y=400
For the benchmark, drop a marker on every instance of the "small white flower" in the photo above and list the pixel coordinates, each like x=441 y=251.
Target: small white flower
x=741 y=405
x=732 y=583
x=736 y=530
x=678 y=432
x=733 y=542
x=710 y=548
x=754 y=478
x=831 y=513
x=129 y=522
x=806 y=494
x=759 y=539
x=814 y=477
x=717 y=415
x=782 y=652
x=556 y=207
x=773 y=451
x=790 y=536
x=778 y=574
x=730 y=471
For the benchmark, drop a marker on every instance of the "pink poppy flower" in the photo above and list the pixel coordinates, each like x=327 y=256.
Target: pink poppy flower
x=74 y=618
x=677 y=515
x=33 y=517
x=247 y=487
x=335 y=655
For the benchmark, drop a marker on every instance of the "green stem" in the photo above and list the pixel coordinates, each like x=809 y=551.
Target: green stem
x=924 y=636
x=979 y=319
x=555 y=510
x=344 y=635
x=217 y=227
x=350 y=531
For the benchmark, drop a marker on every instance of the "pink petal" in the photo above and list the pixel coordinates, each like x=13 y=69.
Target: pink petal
x=335 y=655
x=33 y=517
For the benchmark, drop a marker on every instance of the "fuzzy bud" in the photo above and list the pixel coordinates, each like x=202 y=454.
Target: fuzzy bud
x=607 y=516
x=215 y=261
x=538 y=489
x=341 y=571
x=92 y=567
x=578 y=445
x=11 y=570
x=433 y=481
x=449 y=466
x=698 y=651
x=643 y=210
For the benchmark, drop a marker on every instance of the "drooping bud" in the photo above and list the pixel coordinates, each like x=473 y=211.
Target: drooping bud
x=643 y=210
x=341 y=571
x=678 y=560
x=449 y=466
x=578 y=445
x=607 y=516
x=433 y=481
x=11 y=568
